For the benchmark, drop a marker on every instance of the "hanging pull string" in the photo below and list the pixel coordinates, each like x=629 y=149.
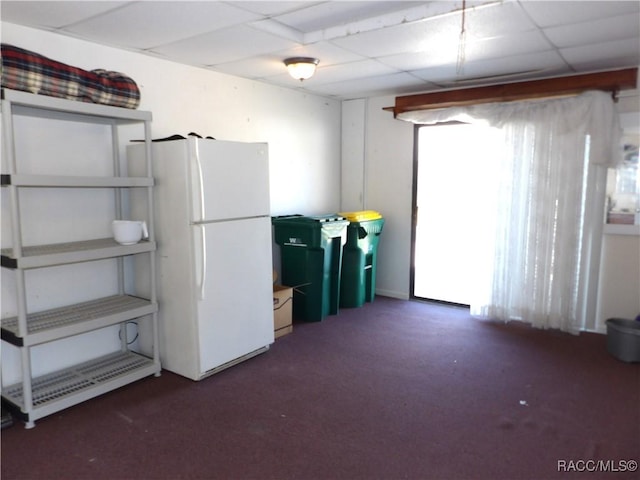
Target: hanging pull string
x=461 y=42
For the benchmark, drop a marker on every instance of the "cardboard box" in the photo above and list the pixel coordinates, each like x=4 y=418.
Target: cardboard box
x=282 y=310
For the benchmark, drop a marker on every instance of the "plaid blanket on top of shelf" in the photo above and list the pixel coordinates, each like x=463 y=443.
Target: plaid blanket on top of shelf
x=30 y=72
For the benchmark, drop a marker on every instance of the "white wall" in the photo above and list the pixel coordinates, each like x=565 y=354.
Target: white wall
x=619 y=293
x=303 y=133
x=378 y=175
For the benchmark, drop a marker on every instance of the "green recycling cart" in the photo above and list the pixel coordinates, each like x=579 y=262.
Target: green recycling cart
x=311 y=255
x=359 y=258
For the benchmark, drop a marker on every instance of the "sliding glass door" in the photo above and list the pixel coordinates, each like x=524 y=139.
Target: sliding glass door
x=452 y=213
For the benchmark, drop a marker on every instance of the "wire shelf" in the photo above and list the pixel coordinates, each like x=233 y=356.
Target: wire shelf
x=69 y=252
x=74 y=319
x=79 y=380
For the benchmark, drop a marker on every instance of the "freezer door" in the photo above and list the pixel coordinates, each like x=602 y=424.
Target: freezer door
x=230 y=180
x=235 y=308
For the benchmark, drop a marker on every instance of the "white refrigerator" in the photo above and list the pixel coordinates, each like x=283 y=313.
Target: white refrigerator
x=214 y=273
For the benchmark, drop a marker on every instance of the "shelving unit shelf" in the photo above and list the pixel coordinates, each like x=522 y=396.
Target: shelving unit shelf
x=38 y=256
x=70 y=320
x=33 y=398
x=62 y=389
x=59 y=181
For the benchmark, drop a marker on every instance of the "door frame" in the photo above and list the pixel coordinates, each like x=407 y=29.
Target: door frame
x=414 y=213
x=414 y=216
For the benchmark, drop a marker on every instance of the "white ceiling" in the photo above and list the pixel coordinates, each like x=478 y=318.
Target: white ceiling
x=366 y=48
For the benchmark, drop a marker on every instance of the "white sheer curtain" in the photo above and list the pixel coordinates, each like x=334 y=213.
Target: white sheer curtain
x=544 y=240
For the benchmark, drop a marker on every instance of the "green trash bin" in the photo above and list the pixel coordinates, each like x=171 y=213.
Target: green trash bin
x=359 y=258
x=311 y=255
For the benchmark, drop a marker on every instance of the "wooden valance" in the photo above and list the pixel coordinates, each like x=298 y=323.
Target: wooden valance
x=613 y=81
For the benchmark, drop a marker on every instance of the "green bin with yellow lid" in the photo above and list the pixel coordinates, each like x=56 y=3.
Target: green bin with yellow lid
x=359 y=258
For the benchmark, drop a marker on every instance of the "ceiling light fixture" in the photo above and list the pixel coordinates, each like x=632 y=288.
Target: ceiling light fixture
x=301 y=68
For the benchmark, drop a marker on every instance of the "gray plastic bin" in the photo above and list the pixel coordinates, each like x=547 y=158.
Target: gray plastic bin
x=623 y=339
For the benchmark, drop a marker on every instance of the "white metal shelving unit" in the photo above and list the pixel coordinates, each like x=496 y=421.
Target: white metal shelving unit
x=34 y=398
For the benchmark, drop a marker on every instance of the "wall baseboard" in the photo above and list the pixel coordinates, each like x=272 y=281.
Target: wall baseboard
x=392 y=294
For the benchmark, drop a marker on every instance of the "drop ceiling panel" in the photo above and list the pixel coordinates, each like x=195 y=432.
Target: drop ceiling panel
x=278 y=29
x=611 y=63
x=420 y=60
x=324 y=15
x=53 y=14
x=269 y=8
x=438 y=74
x=440 y=33
x=551 y=13
x=138 y=26
x=499 y=47
x=492 y=20
x=404 y=16
x=508 y=45
x=520 y=67
x=380 y=85
x=605 y=55
x=349 y=71
x=327 y=52
x=226 y=45
x=539 y=63
x=415 y=37
x=596 y=31
x=262 y=66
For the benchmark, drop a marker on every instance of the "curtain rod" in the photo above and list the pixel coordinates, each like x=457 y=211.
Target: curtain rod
x=613 y=81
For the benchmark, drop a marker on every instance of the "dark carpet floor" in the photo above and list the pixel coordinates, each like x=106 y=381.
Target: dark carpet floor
x=393 y=390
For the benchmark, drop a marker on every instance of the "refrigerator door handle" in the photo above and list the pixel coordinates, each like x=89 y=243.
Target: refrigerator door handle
x=200 y=184
x=203 y=261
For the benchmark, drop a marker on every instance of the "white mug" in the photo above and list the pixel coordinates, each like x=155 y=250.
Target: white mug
x=129 y=232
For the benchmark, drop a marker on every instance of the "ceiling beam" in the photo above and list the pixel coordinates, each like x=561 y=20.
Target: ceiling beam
x=612 y=81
